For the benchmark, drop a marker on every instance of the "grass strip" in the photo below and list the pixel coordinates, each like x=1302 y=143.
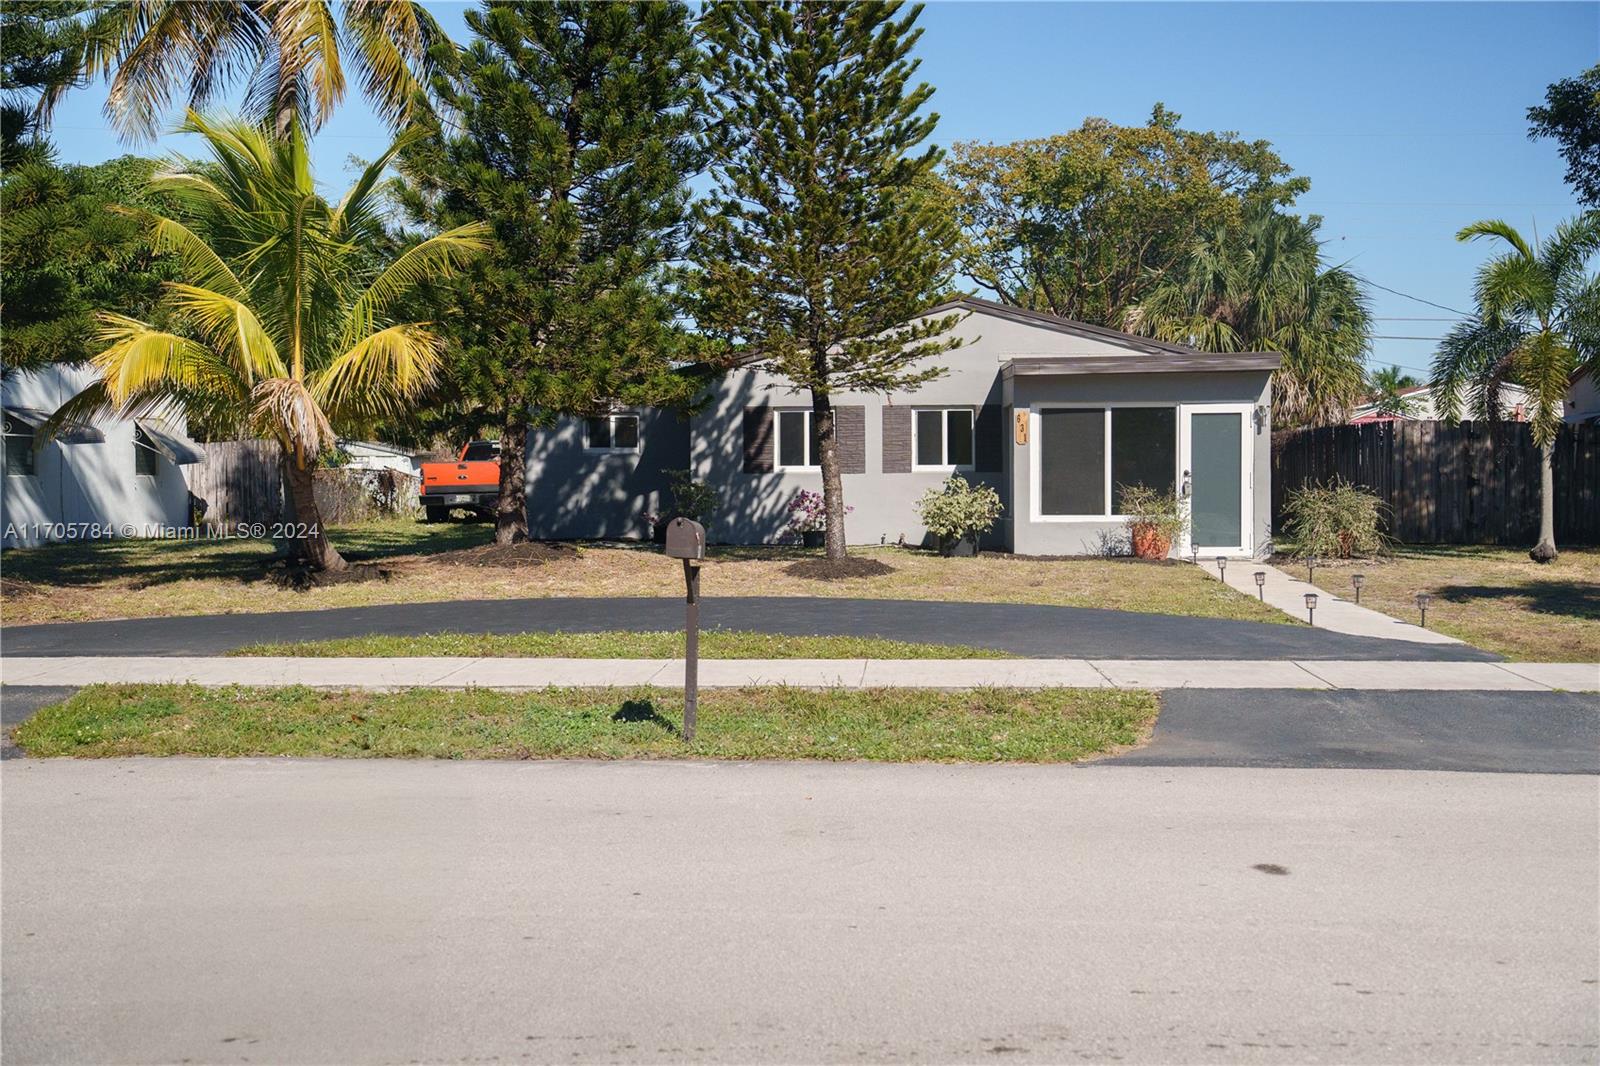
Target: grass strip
x=889 y=725
x=714 y=644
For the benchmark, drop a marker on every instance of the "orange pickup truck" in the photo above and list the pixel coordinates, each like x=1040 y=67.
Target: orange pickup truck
x=471 y=482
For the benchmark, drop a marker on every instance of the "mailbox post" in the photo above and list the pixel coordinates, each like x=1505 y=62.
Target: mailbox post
x=686 y=540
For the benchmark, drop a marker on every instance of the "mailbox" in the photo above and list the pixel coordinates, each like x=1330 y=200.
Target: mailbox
x=686 y=539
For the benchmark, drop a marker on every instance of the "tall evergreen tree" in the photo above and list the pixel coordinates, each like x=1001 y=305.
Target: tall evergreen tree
x=819 y=248
x=573 y=138
x=42 y=46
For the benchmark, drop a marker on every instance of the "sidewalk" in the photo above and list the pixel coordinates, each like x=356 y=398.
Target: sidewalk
x=808 y=673
x=1334 y=613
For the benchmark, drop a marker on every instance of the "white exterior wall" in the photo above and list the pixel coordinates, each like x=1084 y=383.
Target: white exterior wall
x=84 y=484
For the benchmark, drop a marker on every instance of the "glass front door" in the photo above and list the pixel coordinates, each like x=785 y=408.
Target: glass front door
x=1218 y=481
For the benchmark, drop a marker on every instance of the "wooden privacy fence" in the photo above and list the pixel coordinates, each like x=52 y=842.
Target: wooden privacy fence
x=241 y=481
x=1472 y=483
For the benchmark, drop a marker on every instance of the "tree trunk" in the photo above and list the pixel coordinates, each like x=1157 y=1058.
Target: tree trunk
x=1545 y=551
x=511 y=507
x=832 y=484
x=311 y=542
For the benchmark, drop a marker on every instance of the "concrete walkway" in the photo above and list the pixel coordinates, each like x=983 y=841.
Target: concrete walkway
x=456 y=673
x=1334 y=613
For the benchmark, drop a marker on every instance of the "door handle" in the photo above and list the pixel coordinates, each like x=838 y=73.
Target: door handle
x=1186 y=485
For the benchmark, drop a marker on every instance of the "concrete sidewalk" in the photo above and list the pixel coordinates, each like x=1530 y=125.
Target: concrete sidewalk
x=455 y=673
x=1334 y=613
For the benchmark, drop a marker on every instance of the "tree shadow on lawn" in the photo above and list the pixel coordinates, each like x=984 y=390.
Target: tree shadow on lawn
x=1571 y=599
x=144 y=564
x=635 y=711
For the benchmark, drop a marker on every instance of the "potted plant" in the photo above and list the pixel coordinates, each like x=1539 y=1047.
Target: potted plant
x=690 y=499
x=957 y=513
x=1154 y=520
x=808 y=519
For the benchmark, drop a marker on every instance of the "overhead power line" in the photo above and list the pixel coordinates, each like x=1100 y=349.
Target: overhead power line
x=1420 y=300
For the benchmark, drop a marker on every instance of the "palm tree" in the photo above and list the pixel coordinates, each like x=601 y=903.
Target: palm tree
x=286 y=318
x=292 y=53
x=1386 y=390
x=1537 y=324
x=1263 y=285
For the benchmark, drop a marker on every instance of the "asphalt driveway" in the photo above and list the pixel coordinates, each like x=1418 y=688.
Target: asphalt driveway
x=1031 y=630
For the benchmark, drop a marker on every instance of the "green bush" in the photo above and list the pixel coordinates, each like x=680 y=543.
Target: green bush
x=958 y=510
x=1333 y=521
x=691 y=498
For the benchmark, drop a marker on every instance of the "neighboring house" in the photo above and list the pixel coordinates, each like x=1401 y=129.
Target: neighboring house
x=371 y=455
x=1419 y=407
x=1583 y=399
x=1055 y=414
x=118 y=477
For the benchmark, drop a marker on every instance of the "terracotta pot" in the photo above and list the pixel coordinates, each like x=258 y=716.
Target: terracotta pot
x=1149 y=542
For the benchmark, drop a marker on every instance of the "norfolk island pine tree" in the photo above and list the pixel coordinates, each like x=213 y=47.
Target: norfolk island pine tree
x=817 y=251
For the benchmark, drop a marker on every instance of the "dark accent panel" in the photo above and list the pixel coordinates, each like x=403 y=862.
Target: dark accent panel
x=758 y=440
x=1072 y=462
x=850 y=430
x=990 y=450
x=896 y=440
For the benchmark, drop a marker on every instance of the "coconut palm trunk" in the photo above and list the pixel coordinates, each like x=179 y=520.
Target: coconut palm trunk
x=311 y=543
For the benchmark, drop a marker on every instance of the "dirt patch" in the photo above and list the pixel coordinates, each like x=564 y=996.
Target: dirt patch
x=838 y=569
x=508 y=556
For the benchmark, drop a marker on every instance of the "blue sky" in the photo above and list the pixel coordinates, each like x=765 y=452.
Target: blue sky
x=1410 y=119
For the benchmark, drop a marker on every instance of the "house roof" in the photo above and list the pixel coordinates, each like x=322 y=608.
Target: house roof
x=1148 y=345
x=1190 y=362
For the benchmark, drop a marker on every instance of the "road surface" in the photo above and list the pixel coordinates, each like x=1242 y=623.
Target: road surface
x=348 y=911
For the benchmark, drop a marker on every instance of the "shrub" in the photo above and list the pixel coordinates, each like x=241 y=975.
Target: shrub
x=1333 y=521
x=957 y=511
x=1154 y=519
x=808 y=513
x=691 y=498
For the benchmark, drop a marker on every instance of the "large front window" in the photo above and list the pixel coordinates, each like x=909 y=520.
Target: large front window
x=942 y=438
x=797 y=441
x=612 y=433
x=1089 y=455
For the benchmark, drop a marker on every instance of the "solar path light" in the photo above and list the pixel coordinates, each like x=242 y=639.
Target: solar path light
x=1261 y=585
x=1423 y=599
x=1358 y=580
x=1222 y=567
x=1311 y=568
x=1311 y=608
x=686 y=540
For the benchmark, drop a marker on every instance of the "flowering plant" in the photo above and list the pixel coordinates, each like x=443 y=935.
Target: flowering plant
x=808 y=513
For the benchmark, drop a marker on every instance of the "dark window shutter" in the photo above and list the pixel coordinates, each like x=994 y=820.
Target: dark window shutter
x=896 y=440
x=990 y=430
x=758 y=440
x=850 y=430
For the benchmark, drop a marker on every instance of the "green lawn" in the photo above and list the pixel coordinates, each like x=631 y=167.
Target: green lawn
x=889 y=725
x=714 y=644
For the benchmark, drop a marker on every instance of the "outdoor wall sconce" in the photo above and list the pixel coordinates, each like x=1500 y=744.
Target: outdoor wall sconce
x=1311 y=608
x=1423 y=599
x=1358 y=580
x=1222 y=567
x=1261 y=415
x=1261 y=583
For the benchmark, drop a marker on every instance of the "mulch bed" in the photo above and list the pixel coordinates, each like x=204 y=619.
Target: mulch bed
x=298 y=577
x=508 y=556
x=838 y=569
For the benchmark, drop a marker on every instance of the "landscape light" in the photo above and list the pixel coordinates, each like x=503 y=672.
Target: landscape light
x=1194 y=554
x=1422 y=605
x=1311 y=568
x=1311 y=608
x=1358 y=580
x=1222 y=567
x=1261 y=582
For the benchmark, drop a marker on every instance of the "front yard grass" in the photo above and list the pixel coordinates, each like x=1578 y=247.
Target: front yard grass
x=142 y=578
x=1493 y=598
x=714 y=644
x=889 y=725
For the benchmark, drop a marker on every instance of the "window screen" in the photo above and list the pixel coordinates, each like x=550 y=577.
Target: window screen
x=1072 y=462
x=145 y=459
x=1144 y=450
x=959 y=438
x=795 y=447
x=930 y=438
x=624 y=431
x=19 y=449
x=599 y=432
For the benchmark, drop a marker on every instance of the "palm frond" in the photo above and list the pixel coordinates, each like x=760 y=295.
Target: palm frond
x=391 y=42
x=285 y=410
x=140 y=360
x=230 y=325
x=1495 y=227
x=380 y=374
x=437 y=258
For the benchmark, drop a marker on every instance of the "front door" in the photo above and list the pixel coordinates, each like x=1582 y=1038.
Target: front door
x=1217 y=476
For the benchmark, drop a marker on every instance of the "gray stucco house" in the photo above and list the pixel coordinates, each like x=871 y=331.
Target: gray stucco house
x=1054 y=414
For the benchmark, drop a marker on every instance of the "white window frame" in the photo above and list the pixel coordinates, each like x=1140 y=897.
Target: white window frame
x=777 y=438
x=611 y=449
x=944 y=424
x=1036 y=456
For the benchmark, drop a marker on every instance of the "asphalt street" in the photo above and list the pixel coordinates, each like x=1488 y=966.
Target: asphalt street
x=1024 y=629
x=348 y=911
